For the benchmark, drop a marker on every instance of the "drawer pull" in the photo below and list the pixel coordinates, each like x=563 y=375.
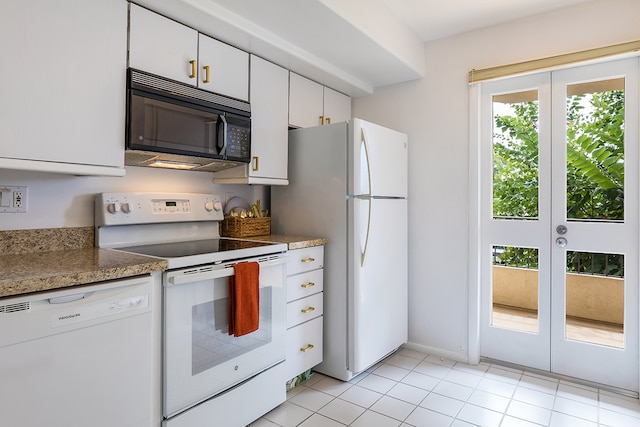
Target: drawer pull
x=307 y=348
x=308 y=259
x=307 y=285
x=307 y=310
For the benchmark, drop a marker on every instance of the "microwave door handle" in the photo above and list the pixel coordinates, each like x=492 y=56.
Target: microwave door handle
x=225 y=127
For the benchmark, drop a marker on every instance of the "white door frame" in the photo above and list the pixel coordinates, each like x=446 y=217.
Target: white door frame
x=474 y=270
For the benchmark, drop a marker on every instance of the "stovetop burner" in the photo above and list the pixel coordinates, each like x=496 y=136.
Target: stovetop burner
x=194 y=247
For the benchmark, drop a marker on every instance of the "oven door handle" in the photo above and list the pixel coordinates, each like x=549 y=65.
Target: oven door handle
x=183 y=278
x=208 y=274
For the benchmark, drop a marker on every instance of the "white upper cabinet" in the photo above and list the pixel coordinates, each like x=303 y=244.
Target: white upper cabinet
x=162 y=46
x=62 y=97
x=269 y=112
x=337 y=107
x=223 y=68
x=167 y=48
x=306 y=105
x=311 y=104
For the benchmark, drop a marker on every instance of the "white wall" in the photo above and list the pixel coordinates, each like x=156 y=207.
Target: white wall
x=56 y=200
x=434 y=112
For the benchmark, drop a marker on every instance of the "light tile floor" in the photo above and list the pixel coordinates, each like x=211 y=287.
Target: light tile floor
x=410 y=388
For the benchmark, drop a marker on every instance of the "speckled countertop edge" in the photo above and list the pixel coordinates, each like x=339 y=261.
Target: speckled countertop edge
x=42 y=271
x=47 y=259
x=292 y=242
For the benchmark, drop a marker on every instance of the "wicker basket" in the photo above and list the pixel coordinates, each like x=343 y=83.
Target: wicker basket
x=234 y=226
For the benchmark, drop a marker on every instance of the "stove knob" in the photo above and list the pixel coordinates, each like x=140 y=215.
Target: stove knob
x=217 y=205
x=113 y=207
x=125 y=208
x=208 y=206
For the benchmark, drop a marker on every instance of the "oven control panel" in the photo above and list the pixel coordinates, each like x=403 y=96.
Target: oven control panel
x=171 y=206
x=150 y=208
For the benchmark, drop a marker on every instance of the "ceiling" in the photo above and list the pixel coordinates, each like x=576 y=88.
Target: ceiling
x=352 y=46
x=434 y=19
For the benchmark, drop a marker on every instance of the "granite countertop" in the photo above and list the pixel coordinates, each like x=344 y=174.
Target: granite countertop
x=293 y=242
x=29 y=263
x=48 y=259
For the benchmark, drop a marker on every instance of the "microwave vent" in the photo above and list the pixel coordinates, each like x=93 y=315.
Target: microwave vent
x=154 y=82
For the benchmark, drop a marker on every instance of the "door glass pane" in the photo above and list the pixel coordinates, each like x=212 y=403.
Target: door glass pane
x=595 y=298
x=212 y=345
x=595 y=151
x=514 y=285
x=515 y=155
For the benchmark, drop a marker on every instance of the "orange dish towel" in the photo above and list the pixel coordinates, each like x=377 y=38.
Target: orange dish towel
x=244 y=299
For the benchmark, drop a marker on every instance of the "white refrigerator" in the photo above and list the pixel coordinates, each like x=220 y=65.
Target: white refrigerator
x=348 y=183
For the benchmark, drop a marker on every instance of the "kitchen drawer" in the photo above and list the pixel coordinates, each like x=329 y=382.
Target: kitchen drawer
x=306 y=259
x=304 y=284
x=304 y=347
x=304 y=309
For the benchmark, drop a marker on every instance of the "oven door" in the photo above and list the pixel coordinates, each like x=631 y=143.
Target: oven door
x=200 y=358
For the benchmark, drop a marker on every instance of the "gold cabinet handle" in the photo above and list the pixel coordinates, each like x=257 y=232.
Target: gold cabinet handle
x=255 y=163
x=207 y=74
x=307 y=310
x=307 y=348
x=307 y=285
x=194 y=69
x=308 y=260
x=321 y=120
x=328 y=120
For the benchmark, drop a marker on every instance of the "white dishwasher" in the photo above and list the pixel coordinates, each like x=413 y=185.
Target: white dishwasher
x=78 y=357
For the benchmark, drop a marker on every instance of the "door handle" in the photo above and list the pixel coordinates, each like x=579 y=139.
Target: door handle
x=207 y=74
x=561 y=229
x=561 y=242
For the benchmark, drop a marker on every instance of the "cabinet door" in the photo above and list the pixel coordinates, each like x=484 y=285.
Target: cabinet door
x=269 y=130
x=62 y=95
x=162 y=46
x=226 y=67
x=304 y=347
x=337 y=107
x=305 y=102
x=269 y=110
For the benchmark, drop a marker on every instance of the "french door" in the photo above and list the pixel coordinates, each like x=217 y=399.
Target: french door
x=559 y=222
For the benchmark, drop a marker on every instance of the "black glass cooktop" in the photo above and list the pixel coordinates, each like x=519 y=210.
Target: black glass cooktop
x=194 y=247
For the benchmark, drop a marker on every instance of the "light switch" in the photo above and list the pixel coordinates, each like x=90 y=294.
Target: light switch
x=6 y=196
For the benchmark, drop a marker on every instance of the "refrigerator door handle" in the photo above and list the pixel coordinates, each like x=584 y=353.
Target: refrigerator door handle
x=363 y=255
x=365 y=143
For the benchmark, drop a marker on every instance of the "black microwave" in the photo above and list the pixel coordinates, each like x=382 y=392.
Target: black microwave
x=173 y=123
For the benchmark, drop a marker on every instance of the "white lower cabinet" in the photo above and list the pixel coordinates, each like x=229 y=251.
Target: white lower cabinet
x=305 y=308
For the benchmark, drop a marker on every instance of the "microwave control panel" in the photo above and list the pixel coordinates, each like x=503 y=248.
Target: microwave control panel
x=238 y=142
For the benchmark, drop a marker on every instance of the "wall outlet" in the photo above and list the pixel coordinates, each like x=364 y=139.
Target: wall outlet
x=18 y=198
x=13 y=199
